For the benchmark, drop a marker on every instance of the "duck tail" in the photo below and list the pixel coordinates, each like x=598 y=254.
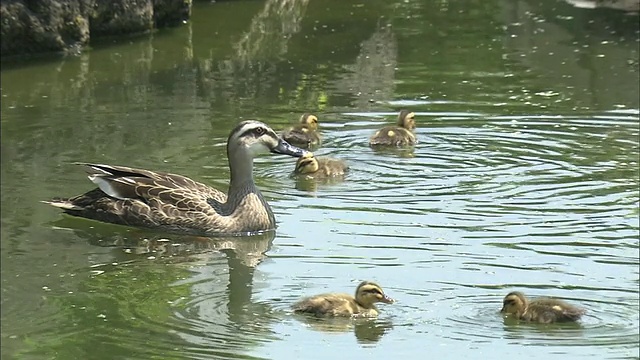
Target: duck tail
x=64 y=204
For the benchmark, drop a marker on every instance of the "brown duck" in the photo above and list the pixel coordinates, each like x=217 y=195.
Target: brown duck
x=175 y=203
x=305 y=134
x=399 y=135
x=335 y=304
x=319 y=167
x=541 y=310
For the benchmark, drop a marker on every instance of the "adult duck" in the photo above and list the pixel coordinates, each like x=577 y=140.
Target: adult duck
x=175 y=203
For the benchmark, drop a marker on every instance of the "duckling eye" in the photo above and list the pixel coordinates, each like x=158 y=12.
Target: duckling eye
x=374 y=291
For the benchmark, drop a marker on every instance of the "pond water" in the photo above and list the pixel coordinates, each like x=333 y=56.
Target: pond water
x=525 y=178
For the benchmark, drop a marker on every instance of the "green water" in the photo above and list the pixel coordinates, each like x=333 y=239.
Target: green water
x=525 y=178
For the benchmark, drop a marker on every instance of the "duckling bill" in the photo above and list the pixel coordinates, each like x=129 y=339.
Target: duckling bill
x=399 y=135
x=305 y=134
x=541 y=310
x=336 y=304
x=175 y=203
x=319 y=167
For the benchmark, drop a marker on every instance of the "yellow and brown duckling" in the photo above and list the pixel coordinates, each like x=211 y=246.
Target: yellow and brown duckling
x=305 y=134
x=541 y=310
x=319 y=167
x=399 y=135
x=334 y=304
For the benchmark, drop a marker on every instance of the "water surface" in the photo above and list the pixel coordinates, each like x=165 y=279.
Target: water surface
x=525 y=178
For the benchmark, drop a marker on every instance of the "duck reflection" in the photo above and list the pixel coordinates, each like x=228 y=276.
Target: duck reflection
x=243 y=253
x=401 y=152
x=218 y=305
x=310 y=184
x=131 y=243
x=366 y=330
x=516 y=329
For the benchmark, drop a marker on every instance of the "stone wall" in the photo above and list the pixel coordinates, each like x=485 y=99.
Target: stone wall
x=30 y=27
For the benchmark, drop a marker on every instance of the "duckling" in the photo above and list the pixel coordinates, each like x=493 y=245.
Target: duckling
x=333 y=304
x=305 y=134
x=399 y=135
x=322 y=167
x=542 y=310
x=175 y=203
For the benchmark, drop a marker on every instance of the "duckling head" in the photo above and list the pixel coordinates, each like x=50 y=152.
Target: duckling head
x=307 y=164
x=369 y=293
x=514 y=303
x=310 y=120
x=254 y=137
x=406 y=119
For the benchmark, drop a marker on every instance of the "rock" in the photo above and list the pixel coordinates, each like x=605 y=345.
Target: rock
x=119 y=17
x=43 y=26
x=171 y=12
x=29 y=27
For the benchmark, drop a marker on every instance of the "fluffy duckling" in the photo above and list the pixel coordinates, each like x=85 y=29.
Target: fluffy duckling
x=362 y=305
x=399 y=135
x=542 y=310
x=305 y=134
x=321 y=167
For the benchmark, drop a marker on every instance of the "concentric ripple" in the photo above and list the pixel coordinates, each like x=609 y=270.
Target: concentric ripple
x=542 y=204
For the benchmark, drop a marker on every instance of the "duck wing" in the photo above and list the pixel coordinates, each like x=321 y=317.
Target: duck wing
x=138 y=197
x=553 y=310
x=392 y=136
x=301 y=136
x=122 y=180
x=327 y=304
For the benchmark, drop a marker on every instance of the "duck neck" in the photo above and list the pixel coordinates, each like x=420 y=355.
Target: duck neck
x=366 y=305
x=241 y=166
x=245 y=196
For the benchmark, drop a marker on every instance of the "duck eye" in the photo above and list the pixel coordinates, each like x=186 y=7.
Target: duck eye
x=260 y=131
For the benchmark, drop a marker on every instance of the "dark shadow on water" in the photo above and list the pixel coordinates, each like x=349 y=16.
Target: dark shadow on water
x=402 y=152
x=310 y=184
x=367 y=331
x=515 y=328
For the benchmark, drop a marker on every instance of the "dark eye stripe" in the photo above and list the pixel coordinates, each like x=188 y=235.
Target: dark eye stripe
x=255 y=132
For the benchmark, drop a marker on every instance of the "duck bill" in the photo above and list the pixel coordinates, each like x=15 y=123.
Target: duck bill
x=285 y=148
x=387 y=300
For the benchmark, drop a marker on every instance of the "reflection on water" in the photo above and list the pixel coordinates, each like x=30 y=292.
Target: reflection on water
x=310 y=184
x=210 y=299
x=403 y=152
x=256 y=55
x=525 y=176
x=248 y=251
x=367 y=331
x=371 y=78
